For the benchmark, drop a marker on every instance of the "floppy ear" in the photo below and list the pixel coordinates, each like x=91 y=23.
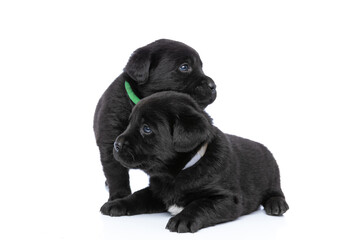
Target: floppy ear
x=190 y=130
x=138 y=65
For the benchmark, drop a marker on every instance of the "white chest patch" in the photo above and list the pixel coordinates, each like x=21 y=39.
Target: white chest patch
x=174 y=209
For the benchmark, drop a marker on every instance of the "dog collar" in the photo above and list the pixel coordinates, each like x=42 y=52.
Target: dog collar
x=197 y=157
x=131 y=93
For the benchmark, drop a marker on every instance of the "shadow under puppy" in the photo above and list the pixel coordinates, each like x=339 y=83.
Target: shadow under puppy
x=197 y=173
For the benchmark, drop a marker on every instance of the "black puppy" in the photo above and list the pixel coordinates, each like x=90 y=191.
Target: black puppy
x=160 y=66
x=196 y=171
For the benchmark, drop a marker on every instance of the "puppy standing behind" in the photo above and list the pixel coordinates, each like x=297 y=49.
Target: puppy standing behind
x=199 y=174
x=159 y=66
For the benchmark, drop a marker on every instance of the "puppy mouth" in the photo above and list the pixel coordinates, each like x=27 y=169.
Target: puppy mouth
x=127 y=159
x=204 y=98
x=131 y=160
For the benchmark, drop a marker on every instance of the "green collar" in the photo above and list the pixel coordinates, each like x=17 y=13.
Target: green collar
x=131 y=93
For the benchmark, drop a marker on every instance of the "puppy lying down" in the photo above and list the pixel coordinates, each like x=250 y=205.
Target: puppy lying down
x=197 y=173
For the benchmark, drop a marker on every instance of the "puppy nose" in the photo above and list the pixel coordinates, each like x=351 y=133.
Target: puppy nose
x=119 y=143
x=117 y=146
x=212 y=86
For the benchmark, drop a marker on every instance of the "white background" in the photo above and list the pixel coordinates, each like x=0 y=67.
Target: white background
x=287 y=73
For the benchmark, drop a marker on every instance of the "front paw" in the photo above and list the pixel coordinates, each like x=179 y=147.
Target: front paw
x=182 y=224
x=115 y=208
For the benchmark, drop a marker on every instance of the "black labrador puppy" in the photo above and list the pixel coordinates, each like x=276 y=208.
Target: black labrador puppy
x=160 y=66
x=197 y=173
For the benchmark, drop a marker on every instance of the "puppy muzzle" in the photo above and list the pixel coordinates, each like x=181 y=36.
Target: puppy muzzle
x=205 y=92
x=212 y=86
x=120 y=143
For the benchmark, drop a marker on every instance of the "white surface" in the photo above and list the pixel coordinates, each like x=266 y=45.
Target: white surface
x=287 y=75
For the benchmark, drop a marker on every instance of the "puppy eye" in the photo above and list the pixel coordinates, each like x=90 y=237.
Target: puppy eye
x=184 y=67
x=146 y=129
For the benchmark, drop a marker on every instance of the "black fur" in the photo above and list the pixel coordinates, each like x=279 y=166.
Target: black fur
x=233 y=178
x=150 y=69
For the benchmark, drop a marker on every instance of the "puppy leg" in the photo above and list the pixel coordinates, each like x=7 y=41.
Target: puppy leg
x=274 y=202
x=275 y=205
x=117 y=176
x=140 y=202
x=203 y=213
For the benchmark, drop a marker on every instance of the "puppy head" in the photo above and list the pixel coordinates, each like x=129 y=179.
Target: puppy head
x=166 y=129
x=167 y=65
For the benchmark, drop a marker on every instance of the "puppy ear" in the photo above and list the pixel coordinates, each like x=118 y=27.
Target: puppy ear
x=138 y=65
x=191 y=129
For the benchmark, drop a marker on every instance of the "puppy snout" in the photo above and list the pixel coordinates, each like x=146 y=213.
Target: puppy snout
x=119 y=143
x=212 y=86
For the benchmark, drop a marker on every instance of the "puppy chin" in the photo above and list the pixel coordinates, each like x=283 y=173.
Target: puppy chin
x=203 y=103
x=204 y=97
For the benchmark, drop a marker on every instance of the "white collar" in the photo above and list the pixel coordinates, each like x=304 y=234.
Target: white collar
x=196 y=157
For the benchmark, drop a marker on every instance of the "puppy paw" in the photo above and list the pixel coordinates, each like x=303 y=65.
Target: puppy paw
x=114 y=208
x=183 y=224
x=276 y=206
